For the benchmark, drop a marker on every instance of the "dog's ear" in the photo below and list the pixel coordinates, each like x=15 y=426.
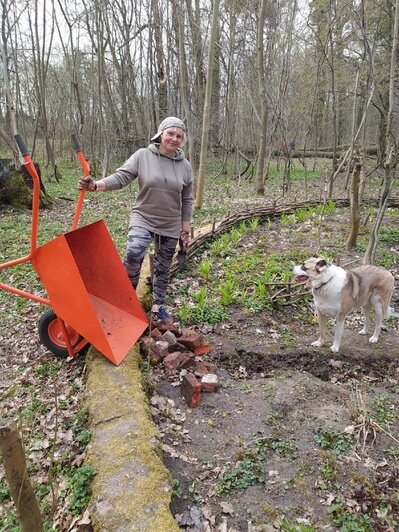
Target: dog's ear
x=321 y=264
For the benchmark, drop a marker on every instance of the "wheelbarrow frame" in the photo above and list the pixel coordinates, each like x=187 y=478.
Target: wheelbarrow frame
x=62 y=339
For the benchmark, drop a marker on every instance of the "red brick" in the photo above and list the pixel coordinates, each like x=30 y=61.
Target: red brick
x=146 y=351
x=209 y=383
x=187 y=359
x=160 y=348
x=202 y=367
x=146 y=342
x=179 y=347
x=172 y=362
x=191 y=390
x=163 y=327
x=191 y=338
x=202 y=349
x=169 y=337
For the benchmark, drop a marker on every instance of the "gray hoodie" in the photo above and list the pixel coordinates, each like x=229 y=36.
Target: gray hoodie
x=165 y=189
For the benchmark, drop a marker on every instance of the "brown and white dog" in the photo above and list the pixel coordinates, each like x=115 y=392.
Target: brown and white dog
x=336 y=292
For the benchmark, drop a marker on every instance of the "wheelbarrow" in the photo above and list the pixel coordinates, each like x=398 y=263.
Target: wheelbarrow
x=90 y=296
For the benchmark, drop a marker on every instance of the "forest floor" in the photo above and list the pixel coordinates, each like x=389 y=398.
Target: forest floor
x=296 y=438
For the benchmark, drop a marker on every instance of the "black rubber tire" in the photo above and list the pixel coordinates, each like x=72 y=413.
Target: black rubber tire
x=48 y=326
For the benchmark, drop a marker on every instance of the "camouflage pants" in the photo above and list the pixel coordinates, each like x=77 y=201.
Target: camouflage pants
x=138 y=240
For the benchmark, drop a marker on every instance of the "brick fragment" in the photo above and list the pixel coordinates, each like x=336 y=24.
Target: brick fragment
x=202 y=349
x=169 y=337
x=156 y=333
x=160 y=348
x=191 y=390
x=202 y=367
x=146 y=342
x=209 y=383
x=186 y=359
x=191 y=338
x=163 y=327
x=171 y=362
x=178 y=347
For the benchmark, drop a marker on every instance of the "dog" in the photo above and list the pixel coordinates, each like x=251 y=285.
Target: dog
x=336 y=292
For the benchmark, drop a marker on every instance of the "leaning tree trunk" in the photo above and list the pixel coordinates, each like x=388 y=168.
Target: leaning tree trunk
x=390 y=149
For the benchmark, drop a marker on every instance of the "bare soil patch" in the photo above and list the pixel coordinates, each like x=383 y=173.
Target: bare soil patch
x=297 y=437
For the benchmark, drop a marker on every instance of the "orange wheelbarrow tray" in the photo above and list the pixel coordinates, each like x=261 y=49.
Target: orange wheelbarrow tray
x=90 y=296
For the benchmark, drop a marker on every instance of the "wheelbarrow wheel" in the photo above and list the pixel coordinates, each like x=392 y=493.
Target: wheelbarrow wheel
x=51 y=335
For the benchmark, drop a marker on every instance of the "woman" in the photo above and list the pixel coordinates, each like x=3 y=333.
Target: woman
x=163 y=208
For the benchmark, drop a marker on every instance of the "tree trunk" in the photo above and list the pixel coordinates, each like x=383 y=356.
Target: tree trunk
x=18 y=478
x=214 y=126
x=9 y=99
x=260 y=165
x=162 y=75
x=207 y=107
x=41 y=58
x=391 y=155
x=198 y=74
x=354 y=208
x=184 y=86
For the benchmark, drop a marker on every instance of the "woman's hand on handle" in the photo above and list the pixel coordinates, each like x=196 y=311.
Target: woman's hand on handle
x=87 y=183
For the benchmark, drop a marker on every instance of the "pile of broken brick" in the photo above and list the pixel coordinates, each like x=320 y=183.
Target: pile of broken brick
x=181 y=349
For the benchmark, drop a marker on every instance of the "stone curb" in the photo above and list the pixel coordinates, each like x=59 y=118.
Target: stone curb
x=132 y=488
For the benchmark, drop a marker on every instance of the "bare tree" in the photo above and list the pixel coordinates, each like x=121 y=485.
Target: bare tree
x=207 y=106
x=260 y=166
x=41 y=43
x=391 y=150
x=184 y=87
x=11 y=121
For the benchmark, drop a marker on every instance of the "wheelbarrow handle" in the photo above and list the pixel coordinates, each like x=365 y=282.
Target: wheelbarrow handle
x=83 y=161
x=76 y=142
x=30 y=167
x=21 y=145
x=86 y=173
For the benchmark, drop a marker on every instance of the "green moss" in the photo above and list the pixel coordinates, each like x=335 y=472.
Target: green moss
x=113 y=414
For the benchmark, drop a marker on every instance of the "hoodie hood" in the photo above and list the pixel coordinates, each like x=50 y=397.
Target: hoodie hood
x=177 y=156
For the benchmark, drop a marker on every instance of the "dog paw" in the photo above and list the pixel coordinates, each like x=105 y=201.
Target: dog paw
x=373 y=339
x=363 y=331
x=334 y=348
x=317 y=343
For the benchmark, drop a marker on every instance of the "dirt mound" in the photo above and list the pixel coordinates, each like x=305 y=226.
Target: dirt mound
x=323 y=365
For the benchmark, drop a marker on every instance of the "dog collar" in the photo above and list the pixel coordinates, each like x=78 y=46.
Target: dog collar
x=323 y=284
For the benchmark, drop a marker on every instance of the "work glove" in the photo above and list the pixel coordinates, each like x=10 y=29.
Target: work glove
x=87 y=183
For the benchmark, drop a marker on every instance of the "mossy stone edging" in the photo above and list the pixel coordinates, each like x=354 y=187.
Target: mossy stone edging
x=132 y=488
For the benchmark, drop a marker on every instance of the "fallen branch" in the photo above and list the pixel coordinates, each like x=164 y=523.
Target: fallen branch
x=262 y=212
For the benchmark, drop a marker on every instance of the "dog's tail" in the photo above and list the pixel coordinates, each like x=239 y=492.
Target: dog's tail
x=391 y=313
